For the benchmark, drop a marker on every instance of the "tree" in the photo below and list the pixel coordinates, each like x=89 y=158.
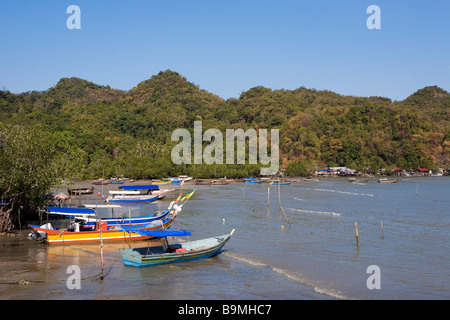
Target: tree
x=31 y=162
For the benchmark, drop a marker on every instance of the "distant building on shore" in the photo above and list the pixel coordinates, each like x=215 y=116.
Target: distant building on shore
x=336 y=171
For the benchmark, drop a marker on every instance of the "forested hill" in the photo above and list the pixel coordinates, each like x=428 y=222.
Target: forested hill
x=128 y=132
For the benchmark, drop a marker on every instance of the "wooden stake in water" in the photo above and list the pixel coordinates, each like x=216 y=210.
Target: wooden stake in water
x=279 y=195
x=382 y=231
x=357 y=235
x=268 y=196
x=101 y=246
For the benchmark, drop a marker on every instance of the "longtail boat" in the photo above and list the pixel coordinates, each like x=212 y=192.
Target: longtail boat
x=137 y=194
x=87 y=216
x=281 y=183
x=102 y=231
x=251 y=180
x=387 y=181
x=124 y=220
x=221 y=182
x=170 y=253
x=353 y=180
x=80 y=191
x=203 y=182
x=133 y=198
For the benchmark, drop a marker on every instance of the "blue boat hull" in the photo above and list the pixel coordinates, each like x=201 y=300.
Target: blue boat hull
x=195 y=250
x=129 y=221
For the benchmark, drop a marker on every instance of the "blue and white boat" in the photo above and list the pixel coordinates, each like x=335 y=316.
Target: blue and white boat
x=132 y=198
x=251 y=180
x=137 y=194
x=89 y=217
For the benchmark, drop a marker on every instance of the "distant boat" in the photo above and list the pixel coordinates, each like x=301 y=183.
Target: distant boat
x=281 y=183
x=79 y=191
x=159 y=181
x=251 y=180
x=133 y=198
x=185 y=178
x=384 y=180
x=203 y=182
x=222 y=181
x=137 y=194
x=118 y=182
x=311 y=179
x=353 y=180
x=101 y=182
x=182 y=251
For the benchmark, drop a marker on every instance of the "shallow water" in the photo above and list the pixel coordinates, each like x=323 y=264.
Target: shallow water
x=307 y=252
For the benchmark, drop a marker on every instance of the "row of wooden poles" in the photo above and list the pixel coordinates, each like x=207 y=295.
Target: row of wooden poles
x=281 y=208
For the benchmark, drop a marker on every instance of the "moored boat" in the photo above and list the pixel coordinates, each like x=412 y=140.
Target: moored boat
x=353 y=180
x=384 y=180
x=222 y=182
x=80 y=191
x=101 y=182
x=203 y=182
x=170 y=253
x=251 y=180
x=132 y=198
x=101 y=232
x=281 y=183
x=137 y=194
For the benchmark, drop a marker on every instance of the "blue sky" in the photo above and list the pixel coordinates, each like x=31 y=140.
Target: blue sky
x=227 y=47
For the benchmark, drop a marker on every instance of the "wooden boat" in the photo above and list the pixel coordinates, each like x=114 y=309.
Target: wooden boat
x=222 y=182
x=79 y=191
x=353 y=180
x=101 y=231
x=203 y=182
x=159 y=181
x=101 y=182
x=311 y=179
x=118 y=182
x=281 y=183
x=387 y=181
x=185 y=178
x=182 y=251
x=137 y=194
x=251 y=180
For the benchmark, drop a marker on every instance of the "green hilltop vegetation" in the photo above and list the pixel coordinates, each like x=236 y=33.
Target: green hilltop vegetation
x=128 y=132
x=78 y=130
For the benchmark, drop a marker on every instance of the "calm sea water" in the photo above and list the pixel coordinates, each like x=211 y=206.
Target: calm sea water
x=308 y=251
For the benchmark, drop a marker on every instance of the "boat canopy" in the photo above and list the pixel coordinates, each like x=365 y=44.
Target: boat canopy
x=71 y=211
x=159 y=233
x=140 y=187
